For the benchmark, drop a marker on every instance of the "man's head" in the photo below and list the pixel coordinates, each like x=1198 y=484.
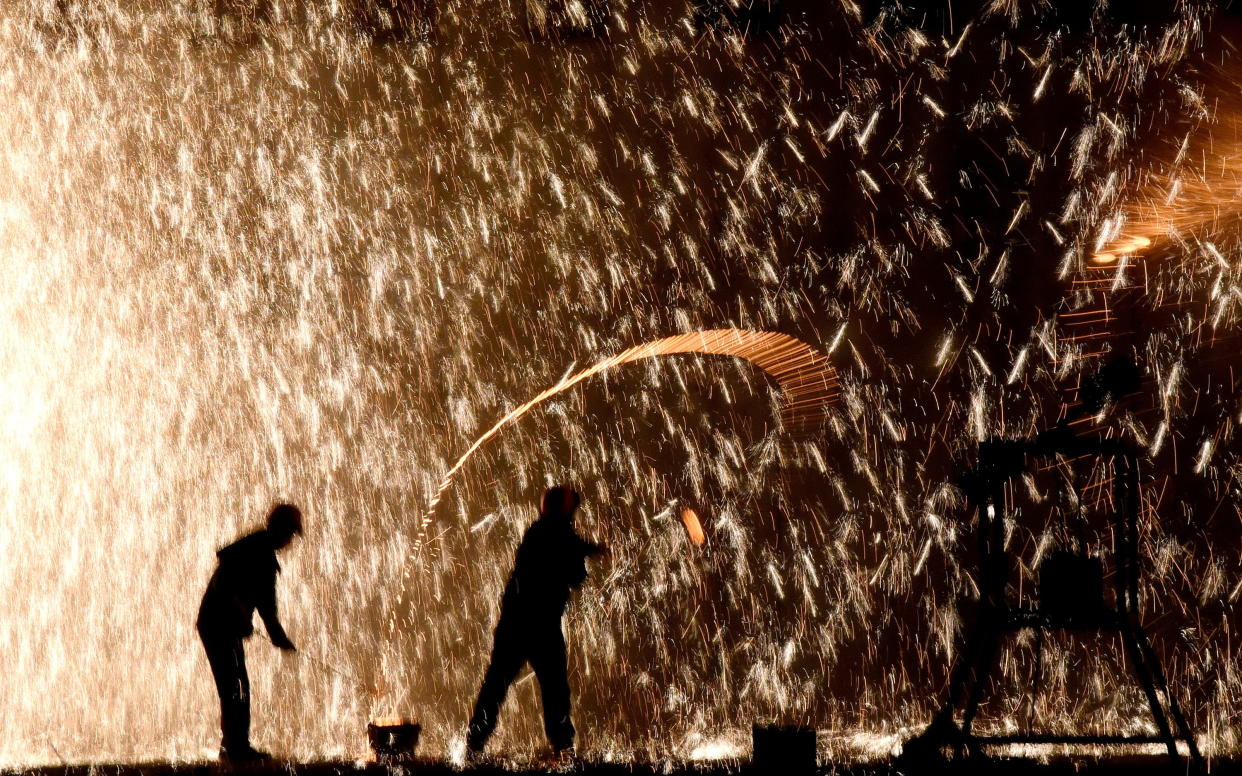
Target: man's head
x=559 y=503
x=283 y=523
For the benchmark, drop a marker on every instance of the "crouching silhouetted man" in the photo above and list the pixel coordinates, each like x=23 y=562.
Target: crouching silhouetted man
x=244 y=580
x=550 y=562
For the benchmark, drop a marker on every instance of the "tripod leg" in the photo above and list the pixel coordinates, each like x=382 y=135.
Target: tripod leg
x=1175 y=710
x=985 y=659
x=1037 y=679
x=1142 y=671
x=965 y=680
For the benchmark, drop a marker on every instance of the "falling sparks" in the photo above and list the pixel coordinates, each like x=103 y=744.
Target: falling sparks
x=249 y=259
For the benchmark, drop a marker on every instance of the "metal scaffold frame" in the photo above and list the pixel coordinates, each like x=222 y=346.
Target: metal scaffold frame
x=999 y=463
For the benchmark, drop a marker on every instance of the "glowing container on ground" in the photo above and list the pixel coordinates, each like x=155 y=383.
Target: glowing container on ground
x=393 y=740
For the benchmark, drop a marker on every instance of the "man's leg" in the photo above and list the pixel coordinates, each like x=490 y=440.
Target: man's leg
x=551 y=669
x=507 y=660
x=241 y=711
x=227 y=658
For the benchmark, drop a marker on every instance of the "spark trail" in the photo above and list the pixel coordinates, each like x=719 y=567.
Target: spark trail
x=806 y=377
x=1195 y=191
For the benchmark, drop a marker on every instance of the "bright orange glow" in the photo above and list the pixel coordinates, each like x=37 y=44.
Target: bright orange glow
x=1196 y=192
x=1120 y=247
x=694 y=528
x=392 y=721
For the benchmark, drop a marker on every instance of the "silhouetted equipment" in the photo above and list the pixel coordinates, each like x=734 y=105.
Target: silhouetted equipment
x=563 y=20
x=394 y=741
x=1072 y=595
x=784 y=750
x=1071 y=586
x=749 y=17
x=1118 y=378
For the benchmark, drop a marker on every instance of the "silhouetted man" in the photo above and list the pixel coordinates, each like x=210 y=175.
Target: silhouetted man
x=244 y=580
x=550 y=562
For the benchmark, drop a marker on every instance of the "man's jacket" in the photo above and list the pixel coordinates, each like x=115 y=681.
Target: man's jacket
x=244 y=581
x=550 y=562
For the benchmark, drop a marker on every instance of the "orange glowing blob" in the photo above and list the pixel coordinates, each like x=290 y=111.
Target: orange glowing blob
x=690 y=519
x=1120 y=247
x=384 y=722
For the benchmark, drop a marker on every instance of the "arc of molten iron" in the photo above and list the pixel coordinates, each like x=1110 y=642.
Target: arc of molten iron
x=807 y=380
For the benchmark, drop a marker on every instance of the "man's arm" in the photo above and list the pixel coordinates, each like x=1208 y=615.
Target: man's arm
x=575 y=556
x=266 y=605
x=590 y=548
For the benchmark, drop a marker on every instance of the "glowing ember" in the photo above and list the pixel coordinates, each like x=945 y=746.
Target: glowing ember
x=690 y=519
x=387 y=722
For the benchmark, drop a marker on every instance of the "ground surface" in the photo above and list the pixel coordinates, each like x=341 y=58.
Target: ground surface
x=1140 y=766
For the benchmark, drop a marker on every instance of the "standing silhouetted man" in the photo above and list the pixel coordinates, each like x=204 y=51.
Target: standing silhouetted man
x=550 y=562
x=244 y=580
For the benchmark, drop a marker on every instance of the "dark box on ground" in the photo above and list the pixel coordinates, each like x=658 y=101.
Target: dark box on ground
x=783 y=750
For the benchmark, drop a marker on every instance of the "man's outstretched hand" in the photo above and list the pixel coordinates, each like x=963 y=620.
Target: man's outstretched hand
x=282 y=642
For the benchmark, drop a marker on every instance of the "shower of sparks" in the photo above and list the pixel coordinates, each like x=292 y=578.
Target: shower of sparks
x=251 y=257
x=805 y=376
x=1195 y=190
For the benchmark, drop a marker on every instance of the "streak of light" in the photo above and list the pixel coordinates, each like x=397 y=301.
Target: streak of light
x=806 y=378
